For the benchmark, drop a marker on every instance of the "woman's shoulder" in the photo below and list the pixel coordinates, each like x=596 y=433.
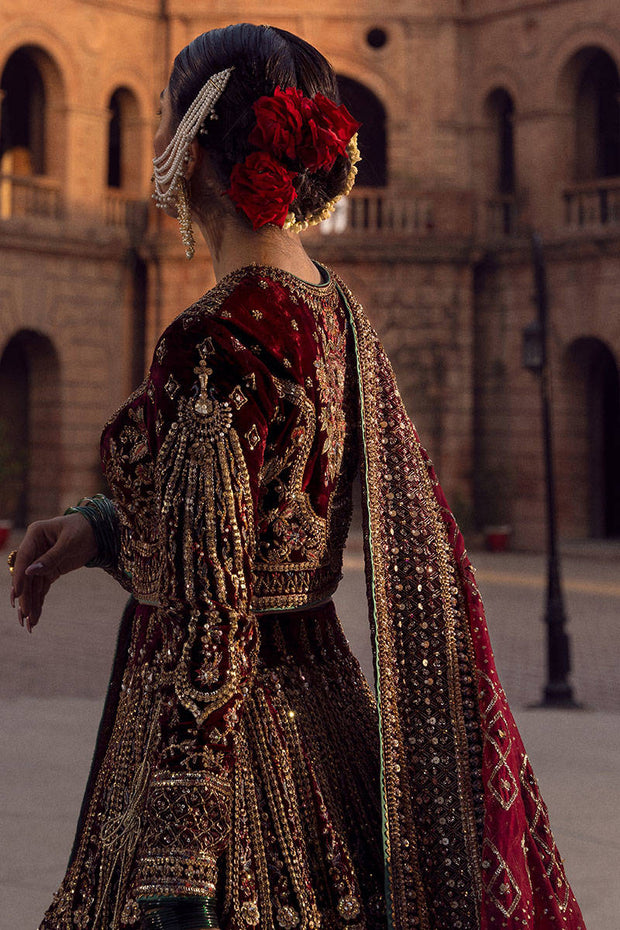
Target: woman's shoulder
x=265 y=309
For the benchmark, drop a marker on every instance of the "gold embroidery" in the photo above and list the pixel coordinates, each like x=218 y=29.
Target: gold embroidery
x=172 y=387
x=160 y=351
x=540 y=829
x=300 y=550
x=435 y=652
x=330 y=365
x=499 y=882
x=238 y=398
x=253 y=437
x=201 y=461
x=501 y=781
x=206 y=347
x=186 y=826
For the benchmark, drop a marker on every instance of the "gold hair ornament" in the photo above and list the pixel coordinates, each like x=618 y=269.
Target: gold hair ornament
x=184 y=216
x=295 y=225
x=169 y=167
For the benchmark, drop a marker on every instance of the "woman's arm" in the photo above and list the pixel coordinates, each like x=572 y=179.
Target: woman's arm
x=206 y=418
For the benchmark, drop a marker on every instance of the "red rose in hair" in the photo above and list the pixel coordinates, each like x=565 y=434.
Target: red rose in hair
x=312 y=131
x=328 y=130
x=320 y=147
x=263 y=189
x=338 y=119
x=279 y=123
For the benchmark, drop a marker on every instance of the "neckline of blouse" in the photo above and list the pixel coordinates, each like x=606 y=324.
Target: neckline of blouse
x=275 y=273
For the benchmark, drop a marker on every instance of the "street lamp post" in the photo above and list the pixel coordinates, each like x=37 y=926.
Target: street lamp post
x=557 y=691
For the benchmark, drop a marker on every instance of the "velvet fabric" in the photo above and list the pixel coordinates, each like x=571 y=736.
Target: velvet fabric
x=241 y=754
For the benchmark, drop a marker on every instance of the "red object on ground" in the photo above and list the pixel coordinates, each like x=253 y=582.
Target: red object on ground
x=498 y=538
x=5 y=531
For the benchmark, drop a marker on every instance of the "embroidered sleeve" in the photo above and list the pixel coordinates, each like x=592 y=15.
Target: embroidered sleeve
x=207 y=423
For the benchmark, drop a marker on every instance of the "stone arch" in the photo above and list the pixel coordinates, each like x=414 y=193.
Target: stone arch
x=588 y=88
x=591 y=463
x=39 y=35
x=124 y=139
x=366 y=107
x=497 y=79
x=557 y=82
x=32 y=134
x=33 y=113
x=30 y=404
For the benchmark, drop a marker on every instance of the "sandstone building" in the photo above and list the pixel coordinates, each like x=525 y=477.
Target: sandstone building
x=483 y=120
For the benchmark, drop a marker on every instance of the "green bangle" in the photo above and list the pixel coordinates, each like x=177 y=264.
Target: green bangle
x=101 y=514
x=179 y=914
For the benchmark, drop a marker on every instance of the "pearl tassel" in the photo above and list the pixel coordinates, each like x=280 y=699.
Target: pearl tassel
x=169 y=166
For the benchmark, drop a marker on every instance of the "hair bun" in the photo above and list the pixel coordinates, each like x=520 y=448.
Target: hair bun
x=266 y=59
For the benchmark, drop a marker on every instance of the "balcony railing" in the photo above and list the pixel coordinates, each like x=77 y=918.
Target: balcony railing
x=388 y=214
x=593 y=204
x=29 y=196
x=122 y=211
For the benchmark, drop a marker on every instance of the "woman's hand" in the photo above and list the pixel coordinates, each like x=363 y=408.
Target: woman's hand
x=50 y=548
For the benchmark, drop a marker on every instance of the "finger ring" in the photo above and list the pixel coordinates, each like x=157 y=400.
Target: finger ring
x=11 y=560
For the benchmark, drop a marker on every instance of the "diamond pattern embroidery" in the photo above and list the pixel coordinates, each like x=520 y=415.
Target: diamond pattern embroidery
x=498 y=880
x=171 y=387
x=501 y=782
x=160 y=351
x=253 y=437
x=206 y=347
x=538 y=822
x=238 y=398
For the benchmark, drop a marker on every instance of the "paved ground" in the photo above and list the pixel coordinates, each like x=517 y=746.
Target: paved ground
x=52 y=684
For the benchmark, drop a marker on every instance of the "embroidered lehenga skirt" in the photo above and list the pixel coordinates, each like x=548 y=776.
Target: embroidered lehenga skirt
x=306 y=826
x=313 y=757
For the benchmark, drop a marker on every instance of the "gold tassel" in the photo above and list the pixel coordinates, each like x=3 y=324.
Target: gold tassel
x=184 y=216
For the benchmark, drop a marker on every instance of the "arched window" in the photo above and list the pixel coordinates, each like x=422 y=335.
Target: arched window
x=500 y=114
x=23 y=131
x=32 y=135
x=124 y=159
x=500 y=180
x=592 y=391
x=366 y=107
x=597 y=115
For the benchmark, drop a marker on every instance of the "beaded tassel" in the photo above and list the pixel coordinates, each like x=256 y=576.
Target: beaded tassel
x=184 y=216
x=168 y=167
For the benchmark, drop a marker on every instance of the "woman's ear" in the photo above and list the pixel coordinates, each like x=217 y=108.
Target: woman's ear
x=194 y=159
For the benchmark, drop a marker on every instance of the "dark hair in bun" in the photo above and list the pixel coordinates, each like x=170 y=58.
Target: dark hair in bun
x=263 y=58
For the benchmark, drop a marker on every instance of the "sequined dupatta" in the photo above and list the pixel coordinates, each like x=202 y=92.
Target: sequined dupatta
x=466 y=836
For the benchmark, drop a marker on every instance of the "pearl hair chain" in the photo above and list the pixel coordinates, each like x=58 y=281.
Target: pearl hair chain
x=169 y=166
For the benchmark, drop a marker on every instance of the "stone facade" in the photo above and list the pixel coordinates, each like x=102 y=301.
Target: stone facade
x=498 y=119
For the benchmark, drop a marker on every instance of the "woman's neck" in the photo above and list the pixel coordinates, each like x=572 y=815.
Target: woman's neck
x=233 y=245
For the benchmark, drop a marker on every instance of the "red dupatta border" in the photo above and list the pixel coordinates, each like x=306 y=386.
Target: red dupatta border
x=466 y=836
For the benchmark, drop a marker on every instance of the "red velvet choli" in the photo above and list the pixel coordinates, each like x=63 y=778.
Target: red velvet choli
x=253 y=373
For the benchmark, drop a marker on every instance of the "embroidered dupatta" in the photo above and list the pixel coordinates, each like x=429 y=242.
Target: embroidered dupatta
x=466 y=835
